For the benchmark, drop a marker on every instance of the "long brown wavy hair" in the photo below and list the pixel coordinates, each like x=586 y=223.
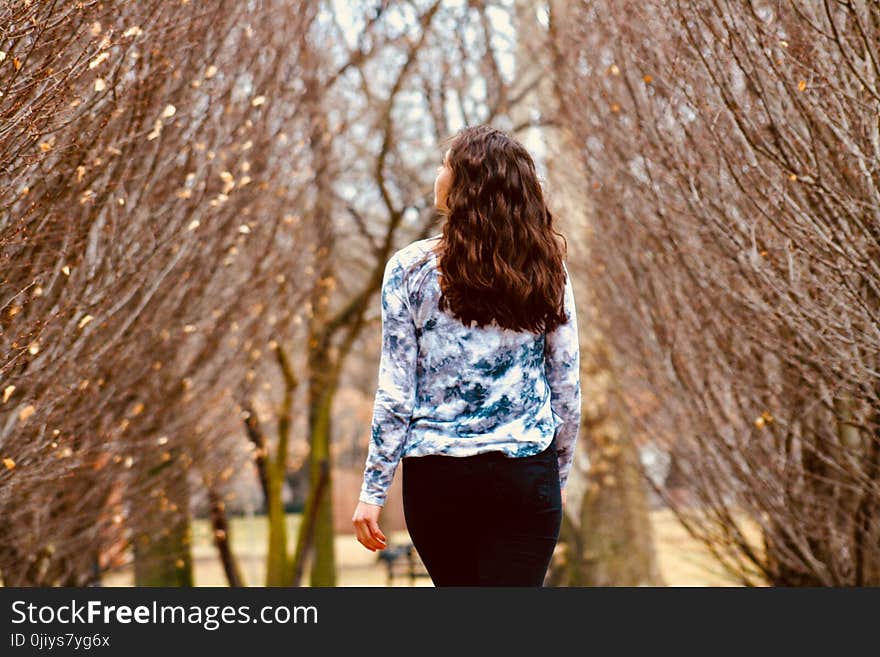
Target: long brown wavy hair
x=498 y=256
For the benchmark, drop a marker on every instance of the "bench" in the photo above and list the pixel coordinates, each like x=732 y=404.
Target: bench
x=402 y=560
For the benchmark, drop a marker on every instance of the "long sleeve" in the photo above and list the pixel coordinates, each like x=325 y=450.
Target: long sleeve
x=396 y=389
x=562 y=368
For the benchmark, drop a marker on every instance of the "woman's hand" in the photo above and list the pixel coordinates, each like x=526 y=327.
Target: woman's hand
x=366 y=526
x=563 y=498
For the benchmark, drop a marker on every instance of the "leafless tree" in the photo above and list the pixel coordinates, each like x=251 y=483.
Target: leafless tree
x=150 y=250
x=731 y=154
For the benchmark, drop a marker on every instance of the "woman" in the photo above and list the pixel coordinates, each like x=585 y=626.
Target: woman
x=479 y=391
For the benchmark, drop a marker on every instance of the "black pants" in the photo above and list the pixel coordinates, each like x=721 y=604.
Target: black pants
x=484 y=520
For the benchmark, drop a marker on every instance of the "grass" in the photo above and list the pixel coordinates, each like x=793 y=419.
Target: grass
x=683 y=562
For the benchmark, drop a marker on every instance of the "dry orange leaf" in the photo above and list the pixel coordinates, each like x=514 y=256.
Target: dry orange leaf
x=26 y=412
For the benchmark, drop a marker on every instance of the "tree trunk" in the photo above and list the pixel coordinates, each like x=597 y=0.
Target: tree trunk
x=276 y=556
x=277 y=563
x=609 y=541
x=222 y=541
x=321 y=363
x=616 y=534
x=323 y=571
x=306 y=539
x=166 y=559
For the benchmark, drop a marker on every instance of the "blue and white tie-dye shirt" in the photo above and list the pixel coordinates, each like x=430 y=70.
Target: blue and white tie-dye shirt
x=446 y=388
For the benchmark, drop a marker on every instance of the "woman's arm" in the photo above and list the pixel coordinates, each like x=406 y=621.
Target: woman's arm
x=562 y=368
x=396 y=389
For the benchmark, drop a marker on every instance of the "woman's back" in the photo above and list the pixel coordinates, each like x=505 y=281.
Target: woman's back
x=447 y=388
x=475 y=385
